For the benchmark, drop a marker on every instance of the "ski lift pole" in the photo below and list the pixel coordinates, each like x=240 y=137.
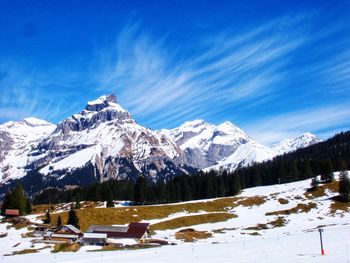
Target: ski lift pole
x=320 y=231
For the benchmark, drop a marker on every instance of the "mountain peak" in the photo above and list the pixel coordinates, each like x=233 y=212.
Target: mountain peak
x=292 y=144
x=31 y=121
x=104 y=102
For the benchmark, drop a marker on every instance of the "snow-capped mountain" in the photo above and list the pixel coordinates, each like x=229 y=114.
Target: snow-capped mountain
x=205 y=144
x=246 y=154
x=292 y=144
x=17 y=138
x=104 y=142
x=225 y=146
x=105 y=136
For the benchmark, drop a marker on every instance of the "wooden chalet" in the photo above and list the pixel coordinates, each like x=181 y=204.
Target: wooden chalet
x=11 y=212
x=134 y=231
x=94 y=239
x=66 y=233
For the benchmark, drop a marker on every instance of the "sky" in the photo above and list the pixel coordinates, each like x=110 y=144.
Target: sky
x=276 y=69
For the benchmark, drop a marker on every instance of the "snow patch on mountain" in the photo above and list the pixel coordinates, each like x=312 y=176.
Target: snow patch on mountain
x=17 y=140
x=292 y=144
x=247 y=154
x=205 y=144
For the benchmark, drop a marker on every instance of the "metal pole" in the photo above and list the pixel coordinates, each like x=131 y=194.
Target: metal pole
x=322 y=251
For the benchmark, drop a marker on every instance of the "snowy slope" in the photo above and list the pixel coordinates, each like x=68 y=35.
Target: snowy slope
x=245 y=155
x=240 y=238
x=292 y=144
x=17 y=138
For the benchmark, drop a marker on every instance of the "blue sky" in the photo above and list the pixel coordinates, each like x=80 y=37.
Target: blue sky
x=274 y=68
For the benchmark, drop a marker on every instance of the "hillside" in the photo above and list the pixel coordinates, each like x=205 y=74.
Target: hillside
x=276 y=223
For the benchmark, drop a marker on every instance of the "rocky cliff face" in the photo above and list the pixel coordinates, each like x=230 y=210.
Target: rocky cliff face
x=105 y=135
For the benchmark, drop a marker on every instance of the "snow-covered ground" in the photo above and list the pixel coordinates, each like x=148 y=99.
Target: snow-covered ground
x=296 y=241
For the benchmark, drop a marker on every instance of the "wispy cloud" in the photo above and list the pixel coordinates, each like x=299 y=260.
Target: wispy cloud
x=26 y=92
x=319 y=120
x=269 y=78
x=161 y=86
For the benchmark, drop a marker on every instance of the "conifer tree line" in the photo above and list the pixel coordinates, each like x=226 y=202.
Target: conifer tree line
x=16 y=199
x=319 y=159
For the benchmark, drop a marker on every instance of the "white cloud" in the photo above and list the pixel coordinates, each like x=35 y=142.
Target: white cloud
x=291 y=124
x=157 y=84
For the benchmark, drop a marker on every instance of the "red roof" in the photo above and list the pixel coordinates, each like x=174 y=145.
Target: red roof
x=12 y=212
x=135 y=230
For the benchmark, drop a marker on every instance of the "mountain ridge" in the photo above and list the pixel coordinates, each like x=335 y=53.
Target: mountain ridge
x=105 y=136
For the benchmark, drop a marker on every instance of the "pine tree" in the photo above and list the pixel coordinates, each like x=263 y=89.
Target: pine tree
x=327 y=174
x=47 y=219
x=344 y=187
x=73 y=218
x=16 y=199
x=59 y=221
x=307 y=172
x=28 y=206
x=140 y=190
x=314 y=184
x=77 y=201
x=109 y=202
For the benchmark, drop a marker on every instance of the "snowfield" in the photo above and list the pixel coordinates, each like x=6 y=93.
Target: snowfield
x=297 y=240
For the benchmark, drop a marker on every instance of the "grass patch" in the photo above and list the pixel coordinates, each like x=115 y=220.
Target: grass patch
x=66 y=247
x=25 y=251
x=283 y=201
x=257 y=227
x=106 y=248
x=42 y=209
x=339 y=206
x=125 y=215
x=29 y=250
x=190 y=235
x=279 y=222
x=250 y=201
x=192 y=220
x=300 y=208
x=222 y=230
x=321 y=190
x=27 y=235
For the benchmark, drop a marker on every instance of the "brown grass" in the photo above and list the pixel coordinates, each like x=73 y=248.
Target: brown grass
x=250 y=201
x=257 y=227
x=186 y=221
x=29 y=250
x=25 y=251
x=321 y=190
x=279 y=222
x=339 y=206
x=283 y=201
x=222 y=230
x=124 y=215
x=300 y=208
x=190 y=235
x=66 y=247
